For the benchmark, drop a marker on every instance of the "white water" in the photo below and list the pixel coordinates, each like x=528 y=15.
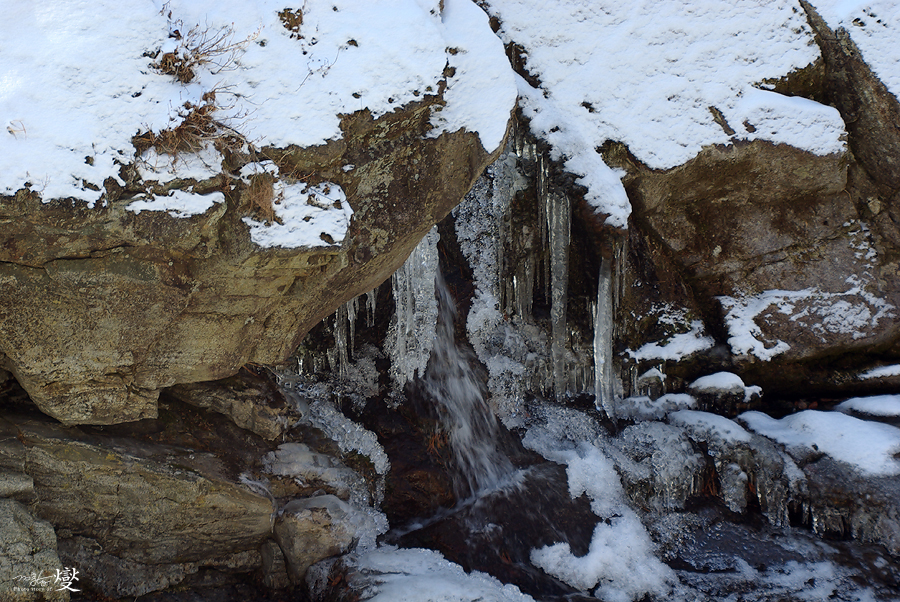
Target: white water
x=457 y=390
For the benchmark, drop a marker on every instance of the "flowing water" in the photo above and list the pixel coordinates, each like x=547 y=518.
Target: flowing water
x=458 y=393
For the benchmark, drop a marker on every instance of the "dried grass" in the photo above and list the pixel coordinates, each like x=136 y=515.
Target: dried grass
x=201 y=46
x=259 y=197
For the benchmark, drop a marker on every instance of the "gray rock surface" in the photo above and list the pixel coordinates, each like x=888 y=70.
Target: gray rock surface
x=28 y=558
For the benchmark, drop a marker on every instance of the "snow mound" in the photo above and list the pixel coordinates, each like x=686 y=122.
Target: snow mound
x=876 y=405
x=869 y=446
x=723 y=382
x=710 y=426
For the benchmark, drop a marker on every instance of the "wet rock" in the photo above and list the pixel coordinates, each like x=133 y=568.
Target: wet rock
x=496 y=532
x=721 y=558
x=311 y=470
x=119 y=577
x=28 y=558
x=869 y=110
x=274 y=567
x=845 y=503
x=16 y=485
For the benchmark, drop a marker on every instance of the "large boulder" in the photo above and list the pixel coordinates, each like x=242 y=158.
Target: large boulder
x=104 y=307
x=175 y=267
x=145 y=502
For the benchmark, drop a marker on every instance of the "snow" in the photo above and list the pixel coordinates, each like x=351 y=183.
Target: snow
x=868 y=446
x=723 y=382
x=881 y=372
x=852 y=312
x=710 y=426
x=163 y=168
x=621 y=562
x=677 y=347
x=720 y=382
x=178 y=203
x=481 y=72
x=876 y=405
x=873 y=26
x=647 y=74
x=620 y=559
x=418 y=575
x=70 y=106
x=306 y=217
x=644 y=408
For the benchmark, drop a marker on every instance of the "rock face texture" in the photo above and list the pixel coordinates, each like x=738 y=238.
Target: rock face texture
x=144 y=502
x=101 y=308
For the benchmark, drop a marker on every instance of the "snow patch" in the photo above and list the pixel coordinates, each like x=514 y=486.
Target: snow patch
x=179 y=203
x=852 y=312
x=881 y=372
x=316 y=216
x=677 y=347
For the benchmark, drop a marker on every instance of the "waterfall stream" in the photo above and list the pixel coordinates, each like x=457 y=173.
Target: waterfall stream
x=459 y=394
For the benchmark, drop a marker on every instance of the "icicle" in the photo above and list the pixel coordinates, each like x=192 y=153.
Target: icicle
x=412 y=330
x=558 y=219
x=352 y=307
x=604 y=388
x=370 y=306
x=341 y=355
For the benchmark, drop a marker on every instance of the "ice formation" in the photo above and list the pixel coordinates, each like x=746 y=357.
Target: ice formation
x=411 y=336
